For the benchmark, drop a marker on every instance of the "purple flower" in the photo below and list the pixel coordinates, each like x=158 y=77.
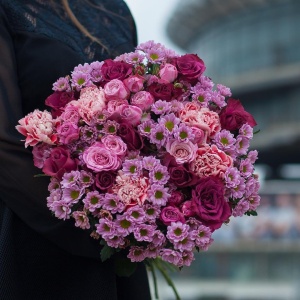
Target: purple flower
x=132 y=167
x=136 y=254
x=170 y=122
x=61 y=209
x=72 y=194
x=81 y=219
x=151 y=212
x=171 y=256
x=70 y=179
x=252 y=156
x=252 y=186
x=254 y=201
x=135 y=214
x=202 y=236
x=224 y=140
x=232 y=177
x=242 y=145
x=184 y=133
x=93 y=201
x=106 y=228
x=246 y=130
x=218 y=99
x=80 y=79
x=86 y=179
x=151 y=251
x=158 y=238
x=159 y=135
x=55 y=195
x=177 y=231
x=176 y=106
x=149 y=162
x=146 y=127
x=224 y=90
x=239 y=190
x=246 y=168
x=110 y=127
x=186 y=244
x=123 y=225
x=143 y=232
x=159 y=175
x=115 y=241
x=112 y=203
x=161 y=107
x=187 y=258
x=61 y=85
x=158 y=194
x=241 y=208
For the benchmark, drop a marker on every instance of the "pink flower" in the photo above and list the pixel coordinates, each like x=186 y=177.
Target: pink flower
x=37 y=127
x=182 y=152
x=134 y=83
x=70 y=113
x=68 y=132
x=115 y=90
x=99 y=158
x=168 y=72
x=81 y=219
x=171 y=214
x=143 y=100
x=130 y=114
x=210 y=161
x=40 y=153
x=115 y=144
x=91 y=103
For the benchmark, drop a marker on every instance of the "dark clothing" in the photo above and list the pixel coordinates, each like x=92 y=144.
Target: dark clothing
x=42 y=257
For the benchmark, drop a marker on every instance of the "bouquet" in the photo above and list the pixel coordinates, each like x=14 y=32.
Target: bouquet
x=146 y=153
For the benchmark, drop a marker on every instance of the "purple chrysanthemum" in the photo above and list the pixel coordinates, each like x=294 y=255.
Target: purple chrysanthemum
x=70 y=179
x=158 y=238
x=61 y=85
x=136 y=254
x=55 y=195
x=247 y=131
x=224 y=90
x=149 y=162
x=254 y=201
x=246 y=168
x=202 y=236
x=241 y=208
x=232 y=177
x=93 y=201
x=123 y=225
x=171 y=256
x=176 y=106
x=86 y=179
x=106 y=228
x=72 y=194
x=144 y=232
x=170 y=122
x=110 y=127
x=146 y=127
x=112 y=203
x=115 y=241
x=135 y=214
x=151 y=212
x=218 y=99
x=242 y=144
x=252 y=156
x=81 y=219
x=187 y=258
x=61 y=209
x=133 y=167
x=80 y=79
x=184 y=133
x=159 y=175
x=177 y=231
x=158 y=194
x=159 y=135
x=224 y=140
x=186 y=244
x=161 y=107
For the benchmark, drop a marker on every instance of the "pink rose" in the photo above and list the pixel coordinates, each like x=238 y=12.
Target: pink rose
x=189 y=67
x=134 y=83
x=143 y=100
x=104 y=180
x=112 y=107
x=59 y=162
x=115 y=144
x=115 y=90
x=70 y=114
x=37 y=127
x=176 y=198
x=210 y=161
x=233 y=116
x=99 y=158
x=115 y=70
x=200 y=136
x=58 y=100
x=209 y=204
x=171 y=214
x=168 y=72
x=68 y=132
x=130 y=136
x=182 y=152
x=187 y=209
x=130 y=114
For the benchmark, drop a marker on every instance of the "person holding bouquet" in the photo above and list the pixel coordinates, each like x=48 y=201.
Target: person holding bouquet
x=42 y=257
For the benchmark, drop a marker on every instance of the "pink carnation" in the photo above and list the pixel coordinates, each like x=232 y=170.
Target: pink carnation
x=37 y=127
x=210 y=161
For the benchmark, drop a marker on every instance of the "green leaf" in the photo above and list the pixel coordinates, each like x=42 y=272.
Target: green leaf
x=257 y=131
x=106 y=252
x=123 y=266
x=251 y=213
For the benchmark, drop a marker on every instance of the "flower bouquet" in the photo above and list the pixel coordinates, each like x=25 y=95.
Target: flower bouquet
x=146 y=153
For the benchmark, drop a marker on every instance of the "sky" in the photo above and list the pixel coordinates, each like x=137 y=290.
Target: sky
x=151 y=17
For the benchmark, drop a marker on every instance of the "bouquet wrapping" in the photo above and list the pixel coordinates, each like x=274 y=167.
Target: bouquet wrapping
x=146 y=153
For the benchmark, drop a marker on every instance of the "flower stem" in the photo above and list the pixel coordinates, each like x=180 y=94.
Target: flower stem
x=154 y=279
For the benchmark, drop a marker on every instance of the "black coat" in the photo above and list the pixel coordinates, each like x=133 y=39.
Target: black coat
x=40 y=256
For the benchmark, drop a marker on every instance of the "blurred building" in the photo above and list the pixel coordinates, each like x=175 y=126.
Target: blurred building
x=253 y=47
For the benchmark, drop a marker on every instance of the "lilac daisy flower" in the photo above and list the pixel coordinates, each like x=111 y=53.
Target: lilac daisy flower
x=146 y=127
x=170 y=122
x=254 y=201
x=54 y=184
x=72 y=194
x=149 y=162
x=159 y=135
x=200 y=95
x=133 y=167
x=202 y=236
x=218 y=99
x=171 y=256
x=110 y=127
x=158 y=194
x=61 y=85
x=135 y=214
x=176 y=106
x=106 y=228
x=161 y=107
x=115 y=241
x=143 y=232
x=112 y=203
x=252 y=186
x=247 y=131
x=239 y=190
x=241 y=208
x=159 y=174
x=206 y=82
x=224 y=140
x=184 y=133
x=123 y=225
x=86 y=179
x=134 y=57
x=85 y=68
x=55 y=195
x=177 y=231
x=80 y=79
x=186 y=244
x=224 y=90
x=151 y=212
x=81 y=219
x=155 y=55
x=158 y=238
x=151 y=251
x=88 y=134
x=246 y=168
x=242 y=144
x=70 y=179
x=93 y=201
x=136 y=254
x=252 y=156
x=61 y=209
x=187 y=258
x=232 y=177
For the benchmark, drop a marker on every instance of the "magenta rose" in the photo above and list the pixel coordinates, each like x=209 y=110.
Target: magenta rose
x=171 y=214
x=58 y=100
x=161 y=91
x=59 y=162
x=105 y=180
x=98 y=158
x=176 y=198
x=209 y=204
x=68 y=132
x=130 y=136
x=115 y=70
x=233 y=116
x=189 y=67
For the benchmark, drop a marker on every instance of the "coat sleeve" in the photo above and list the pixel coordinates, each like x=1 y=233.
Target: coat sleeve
x=23 y=193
